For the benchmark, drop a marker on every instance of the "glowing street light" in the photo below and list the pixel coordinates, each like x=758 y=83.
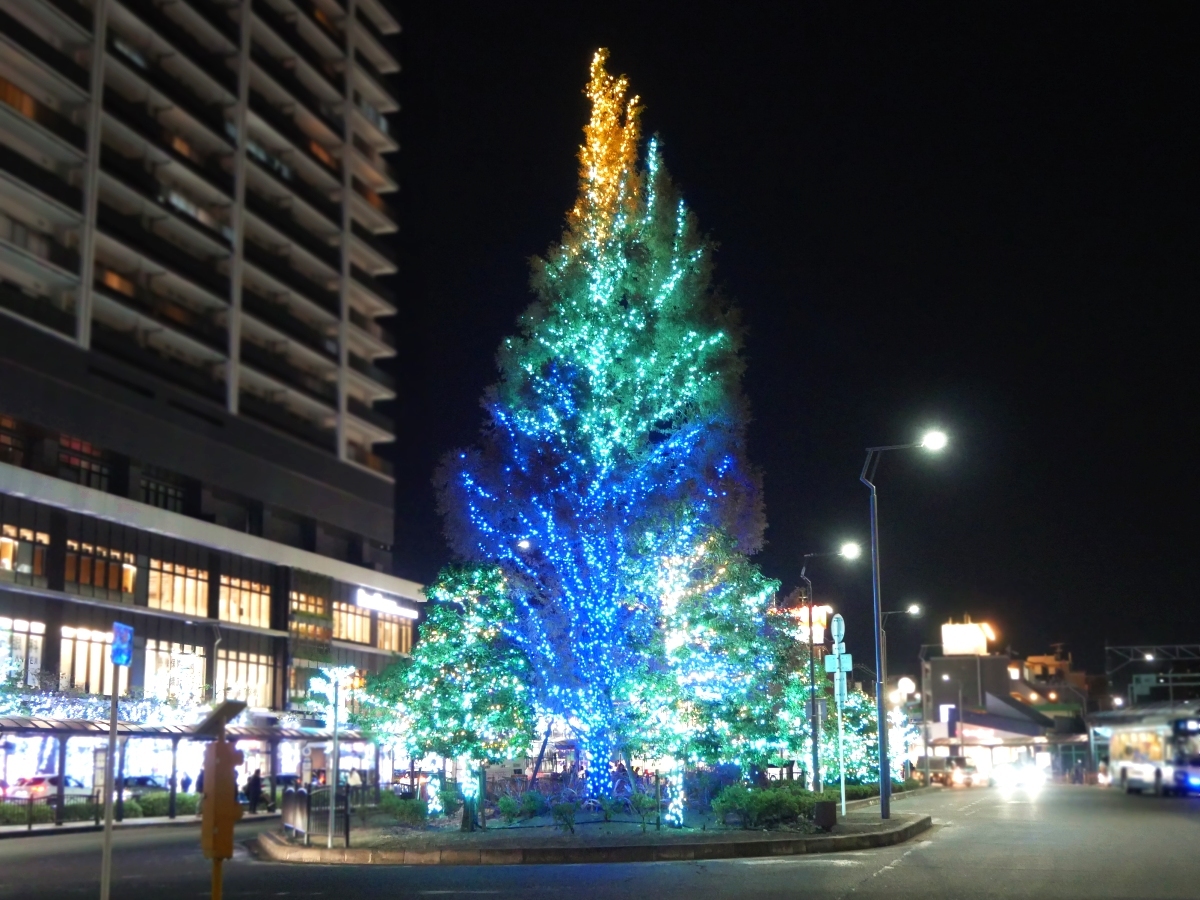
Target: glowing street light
x=933 y=441
x=914 y=609
x=849 y=550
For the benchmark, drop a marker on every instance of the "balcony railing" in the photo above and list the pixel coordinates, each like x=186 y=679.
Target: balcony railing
x=304 y=190
x=279 y=366
x=185 y=41
x=35 y=111
x=39 y=309
x=373 y=372
x=282 y=220
x=175 y=91
x=295 y=86
x=366 y=458
x=137 y=119
x=278 y=316
x=215 y=16
x=371 y=327
x=43 y=180
x=135 y=175
x=56 y=59
x=373 y=242
x=81 y=14
x=123 y=345
x=277 y=416
x=287 y=126
x=373 y=284
x=278 y=268
x=129 y=230
x=373 y=199
x=367 y=414
x=291 y=34
x=165 y=310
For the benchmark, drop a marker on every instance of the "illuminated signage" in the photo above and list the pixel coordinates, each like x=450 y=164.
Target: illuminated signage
x=376 y=601
x=967 y=639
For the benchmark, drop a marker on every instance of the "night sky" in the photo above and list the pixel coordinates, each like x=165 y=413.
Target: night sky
x=979 y=219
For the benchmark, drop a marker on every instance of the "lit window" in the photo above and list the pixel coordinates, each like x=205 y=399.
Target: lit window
x=245 y=602
x=21 y=650
x=309 y=620
x=245 y=676
x=394 y=633
x=174 y=672
x=351 y=624
x=81 y=462
x=178 y=588
x=99 y=571
x=84 y=663
x=23 y=555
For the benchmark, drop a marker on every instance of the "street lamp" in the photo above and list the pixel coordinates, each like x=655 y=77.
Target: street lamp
x=848 y=550
x=932 y=441
x=913 y=609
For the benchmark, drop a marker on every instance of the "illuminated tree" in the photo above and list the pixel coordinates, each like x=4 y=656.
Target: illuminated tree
x=606 y=514
x=465 y=691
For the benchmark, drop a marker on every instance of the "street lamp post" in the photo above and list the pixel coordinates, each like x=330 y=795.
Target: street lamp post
x=934 y=440
x=913 y=609
x=848 y=550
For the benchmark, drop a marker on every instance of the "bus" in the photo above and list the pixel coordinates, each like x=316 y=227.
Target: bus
x=1159 y=754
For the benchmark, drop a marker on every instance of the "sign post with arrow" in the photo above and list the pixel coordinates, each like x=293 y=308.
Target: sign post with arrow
x=839 y=663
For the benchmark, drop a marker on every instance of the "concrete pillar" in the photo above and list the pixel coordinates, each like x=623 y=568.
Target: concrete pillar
x=61 y=799
x=174 y=777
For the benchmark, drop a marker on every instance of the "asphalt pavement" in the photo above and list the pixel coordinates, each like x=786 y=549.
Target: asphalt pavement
x=1066 y=842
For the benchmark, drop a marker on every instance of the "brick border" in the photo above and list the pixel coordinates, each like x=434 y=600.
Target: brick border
x=273 y=847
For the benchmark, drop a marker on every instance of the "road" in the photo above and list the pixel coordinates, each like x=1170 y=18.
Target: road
x=1068 y=842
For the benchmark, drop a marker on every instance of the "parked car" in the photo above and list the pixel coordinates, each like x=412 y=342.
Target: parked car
x=136 y=785
x=951 y=771
x=46 y=787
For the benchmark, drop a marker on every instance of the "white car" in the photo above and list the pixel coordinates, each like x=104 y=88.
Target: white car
x=46 y=787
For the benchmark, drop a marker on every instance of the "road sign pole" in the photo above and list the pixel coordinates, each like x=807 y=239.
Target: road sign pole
x=106 y=858
x=841 y=759
x=120 y=655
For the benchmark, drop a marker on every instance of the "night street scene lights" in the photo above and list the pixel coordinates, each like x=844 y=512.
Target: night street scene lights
x=849 y=550
x=933 y=441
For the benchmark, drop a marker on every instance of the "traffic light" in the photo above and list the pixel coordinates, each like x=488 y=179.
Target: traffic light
x=221 y=807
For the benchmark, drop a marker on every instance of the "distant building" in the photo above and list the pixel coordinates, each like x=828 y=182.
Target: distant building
x=986 y=706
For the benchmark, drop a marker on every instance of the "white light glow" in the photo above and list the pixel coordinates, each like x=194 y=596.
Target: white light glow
x=945 y=678
x=850 y=550
x=1149 y=657
x=376 y=601
x=907 y=685
x=523 y=545
x=914 y=609
x=934 y=440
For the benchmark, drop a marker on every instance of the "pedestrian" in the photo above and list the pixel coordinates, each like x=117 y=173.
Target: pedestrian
x=186 y=783
x=254 y=790
x=200 y=792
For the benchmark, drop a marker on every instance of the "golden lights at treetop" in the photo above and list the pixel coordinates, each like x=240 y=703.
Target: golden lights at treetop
x=608 y=156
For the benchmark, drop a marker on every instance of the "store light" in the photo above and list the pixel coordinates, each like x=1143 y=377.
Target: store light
x=376 y=601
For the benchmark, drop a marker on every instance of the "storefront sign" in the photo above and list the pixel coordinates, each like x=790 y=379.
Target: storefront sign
x=376 y=601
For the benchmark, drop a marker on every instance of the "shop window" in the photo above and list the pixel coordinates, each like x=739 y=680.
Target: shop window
x=99 y=572
x=351 y=624
x=84 y=663
x=23 y=555
x=245 y=676
x=245 y=602
x=12 y=445
x=21 y=651
x=300 y=676
x=394 y=633
x=178 y=588
x=174 y=672
x=82 y=463
x=309 y=619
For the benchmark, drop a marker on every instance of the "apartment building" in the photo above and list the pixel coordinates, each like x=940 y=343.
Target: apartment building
x=193 y=238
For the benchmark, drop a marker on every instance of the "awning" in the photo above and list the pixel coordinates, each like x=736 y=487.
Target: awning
x=25 y=726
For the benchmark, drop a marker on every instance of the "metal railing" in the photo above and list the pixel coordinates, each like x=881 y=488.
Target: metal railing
x=30 y=811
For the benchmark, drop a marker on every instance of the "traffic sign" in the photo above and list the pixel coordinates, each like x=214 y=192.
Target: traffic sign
x=842 y=662
x=838 y=628
x=122 y=645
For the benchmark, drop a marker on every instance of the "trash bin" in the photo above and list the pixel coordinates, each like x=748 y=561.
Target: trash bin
x=825 y=814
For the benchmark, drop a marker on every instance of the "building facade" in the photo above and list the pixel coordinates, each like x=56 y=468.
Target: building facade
x=192 y=237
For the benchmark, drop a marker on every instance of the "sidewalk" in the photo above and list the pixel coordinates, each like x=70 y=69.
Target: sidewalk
x=860 y=830
x=15 y=831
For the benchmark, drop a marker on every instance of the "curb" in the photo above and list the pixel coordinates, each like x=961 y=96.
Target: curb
x=896 y=797
x=273 y=847
x=41 y=830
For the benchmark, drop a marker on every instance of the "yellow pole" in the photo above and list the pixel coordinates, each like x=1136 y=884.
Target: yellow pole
x=216 y=881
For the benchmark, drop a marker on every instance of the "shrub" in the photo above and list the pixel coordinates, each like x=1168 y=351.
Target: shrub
x=644 y=805
x=564 y=815
x=155 y=803
x=17 y=813
x=451 y=801
x=770 y=806
x=532 y=804
x=509 y=809
x=733 y=800
x=406 y=810
x=133 y=809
